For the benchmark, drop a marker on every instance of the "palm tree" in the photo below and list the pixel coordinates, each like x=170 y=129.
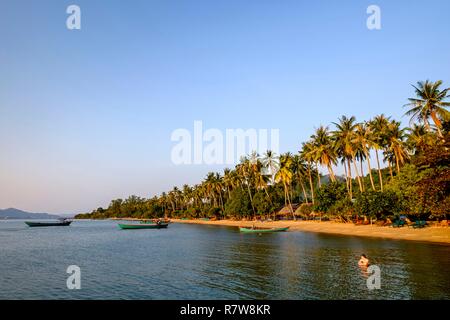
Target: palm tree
x=307 y=154
x=418 y=138
x=363 y=139
x=344 y=137
x=284 y=175
x=271 y=164
x=324 y=149
x=396 y=145
x=299 y=168
x=429 y=104
x=244 y=170
x=228 y=181
x=378 y=127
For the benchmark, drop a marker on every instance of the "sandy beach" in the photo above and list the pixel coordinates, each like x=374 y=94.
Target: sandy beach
x=428 y=234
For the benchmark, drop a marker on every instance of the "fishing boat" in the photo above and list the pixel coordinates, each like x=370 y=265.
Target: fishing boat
x=143 y=226
x=262 y=230
x=61 y=223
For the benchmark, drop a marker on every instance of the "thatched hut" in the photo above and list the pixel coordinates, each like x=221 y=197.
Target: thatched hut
x=285 y=212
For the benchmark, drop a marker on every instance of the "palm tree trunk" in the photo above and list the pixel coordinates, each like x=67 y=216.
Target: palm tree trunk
x=221 y=201
x=380 y=176
x=318 y=175
x=350 y=182
x=397 y=164
x=357 y=174
x=390 y=168
x=251 y=200
x=330 y=171
x=303 y=189
x=362 y=174
x=288 y=199
x=267 y=194
x=370 y=170
x=437 y=122
x=311 y=185
x=346 y=175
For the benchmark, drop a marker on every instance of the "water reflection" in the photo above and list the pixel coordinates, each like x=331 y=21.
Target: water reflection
x=207 y=262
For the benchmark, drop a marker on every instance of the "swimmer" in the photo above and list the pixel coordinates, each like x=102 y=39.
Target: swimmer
x=363 y=261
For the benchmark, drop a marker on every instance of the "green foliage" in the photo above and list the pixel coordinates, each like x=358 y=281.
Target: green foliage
x=328 y=195
x=433 y=189
x=416 y=181
x=238 y=205
x=214 y=212
x=377 y=204
x=262 y=203
x=342 y=207
x=405 y=187
x=191 y=213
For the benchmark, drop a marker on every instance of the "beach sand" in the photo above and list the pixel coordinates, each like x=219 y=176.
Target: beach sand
x=428 y=234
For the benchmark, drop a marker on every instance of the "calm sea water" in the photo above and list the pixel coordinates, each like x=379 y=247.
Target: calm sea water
x=210 y=262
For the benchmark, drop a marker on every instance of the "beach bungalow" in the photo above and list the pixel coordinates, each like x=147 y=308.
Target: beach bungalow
x=285 y=213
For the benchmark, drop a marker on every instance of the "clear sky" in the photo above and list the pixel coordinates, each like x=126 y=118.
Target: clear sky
x=86 y=115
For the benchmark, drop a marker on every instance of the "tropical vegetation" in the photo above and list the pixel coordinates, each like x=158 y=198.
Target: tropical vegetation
x=409 y=176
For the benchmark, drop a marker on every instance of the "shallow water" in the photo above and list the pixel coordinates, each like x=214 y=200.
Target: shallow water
x=211 y=262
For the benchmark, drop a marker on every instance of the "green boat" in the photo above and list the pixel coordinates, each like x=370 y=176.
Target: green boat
x=144 y=226
x=262 y=230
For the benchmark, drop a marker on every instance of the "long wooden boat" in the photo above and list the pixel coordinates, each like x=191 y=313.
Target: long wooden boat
x=262 y=230
x=49 y=224
x=144 y=226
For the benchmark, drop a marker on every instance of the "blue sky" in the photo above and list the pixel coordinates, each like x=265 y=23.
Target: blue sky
x=86 y=115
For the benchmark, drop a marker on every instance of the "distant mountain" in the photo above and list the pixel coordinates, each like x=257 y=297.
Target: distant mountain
x=13 y=213
x=326 y=178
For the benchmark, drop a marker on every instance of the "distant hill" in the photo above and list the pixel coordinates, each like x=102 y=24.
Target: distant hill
x=326 y=178
x=13 y=213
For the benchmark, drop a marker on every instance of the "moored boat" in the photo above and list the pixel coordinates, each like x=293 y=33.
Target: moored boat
x=262 y=230
x=61 y=223
x=143 y=226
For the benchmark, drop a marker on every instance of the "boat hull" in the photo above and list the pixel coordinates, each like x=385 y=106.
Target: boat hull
x=262 y=230
x=48 y=224
x=143 y=226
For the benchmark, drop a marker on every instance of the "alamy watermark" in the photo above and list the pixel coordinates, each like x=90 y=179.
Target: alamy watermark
x=74 y=280
x=73 y=21
x=374 y=279
x=214 y=146
x=374 y=20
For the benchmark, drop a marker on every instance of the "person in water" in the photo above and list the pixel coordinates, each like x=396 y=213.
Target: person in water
x=363 y=261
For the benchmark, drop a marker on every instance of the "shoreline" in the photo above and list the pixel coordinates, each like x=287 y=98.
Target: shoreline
x=431 y=234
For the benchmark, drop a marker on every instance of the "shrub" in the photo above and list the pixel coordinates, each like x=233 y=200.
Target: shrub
x=342 y=207
x=377 y=204
x=328 y=195
x=215 y=212
x=238 y=205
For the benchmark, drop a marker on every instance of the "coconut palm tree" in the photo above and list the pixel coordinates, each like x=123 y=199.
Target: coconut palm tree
x=418 y=137
x=344 y=138
x=324 y=149
x=228 y=181
x=378 y=127
x=271 y=164
x=429 y=103
x=299 y=168
x=307 y=154
x=395 y=137
x=244 y=170
x=363 y=140
x=284 y=175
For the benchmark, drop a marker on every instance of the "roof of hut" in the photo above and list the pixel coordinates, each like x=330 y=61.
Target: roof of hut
x=287 y=210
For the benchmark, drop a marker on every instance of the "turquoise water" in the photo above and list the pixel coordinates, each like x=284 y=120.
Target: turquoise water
x=210 y=262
